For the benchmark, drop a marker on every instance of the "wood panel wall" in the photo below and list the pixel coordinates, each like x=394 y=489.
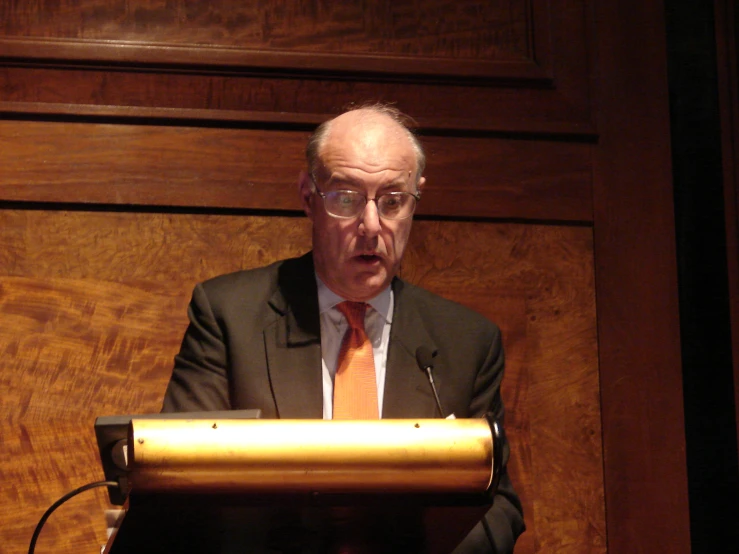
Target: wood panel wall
x=96 y=335
x=146 y=146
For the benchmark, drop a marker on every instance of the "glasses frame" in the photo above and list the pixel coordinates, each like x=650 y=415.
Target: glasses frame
x=367 y=199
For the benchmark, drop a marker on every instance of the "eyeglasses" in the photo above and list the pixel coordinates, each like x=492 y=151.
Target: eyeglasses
x=348 y=204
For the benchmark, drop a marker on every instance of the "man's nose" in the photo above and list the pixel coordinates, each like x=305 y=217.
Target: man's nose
x=369 y=223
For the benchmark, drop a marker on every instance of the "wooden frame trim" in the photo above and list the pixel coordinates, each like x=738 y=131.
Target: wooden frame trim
x=579 y=131
x=408 y=69
x=645 y=468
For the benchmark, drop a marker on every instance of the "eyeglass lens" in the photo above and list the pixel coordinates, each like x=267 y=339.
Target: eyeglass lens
x=393 y=205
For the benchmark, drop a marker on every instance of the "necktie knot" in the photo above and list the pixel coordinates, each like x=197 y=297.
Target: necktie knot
x=354 y=313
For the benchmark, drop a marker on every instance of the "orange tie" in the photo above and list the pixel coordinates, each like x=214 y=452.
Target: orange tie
x=355 y=387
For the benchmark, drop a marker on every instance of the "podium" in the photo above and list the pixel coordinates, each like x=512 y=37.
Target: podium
x=221 y=485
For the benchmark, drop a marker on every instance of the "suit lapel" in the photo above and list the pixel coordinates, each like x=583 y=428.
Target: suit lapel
x=407 y=390
x=293 y=342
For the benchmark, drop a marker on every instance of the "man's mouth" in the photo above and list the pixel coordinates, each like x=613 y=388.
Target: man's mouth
x=369 y=258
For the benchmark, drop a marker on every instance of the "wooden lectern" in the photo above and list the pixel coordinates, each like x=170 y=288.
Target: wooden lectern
x=305 y=486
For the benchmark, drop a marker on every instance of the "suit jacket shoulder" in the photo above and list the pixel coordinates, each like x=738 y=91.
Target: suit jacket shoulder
x=251 y=332
x=443 y=315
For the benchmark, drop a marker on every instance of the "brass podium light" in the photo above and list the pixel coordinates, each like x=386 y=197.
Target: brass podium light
x=299 y=456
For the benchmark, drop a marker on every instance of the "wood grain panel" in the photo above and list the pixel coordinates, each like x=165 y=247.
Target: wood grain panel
x=164 y=250
x=42 y=461
x=438 y=28
x=537 y=283
x=151 y=165
x=468 y=37
x=92 y=308
x=507 y=67
x=221 y=96
x=258 y=169
x=105 y=335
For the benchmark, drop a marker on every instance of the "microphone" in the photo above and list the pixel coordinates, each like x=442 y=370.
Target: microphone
x=425 y=360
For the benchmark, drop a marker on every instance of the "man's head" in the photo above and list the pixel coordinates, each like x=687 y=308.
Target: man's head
x=370 y=152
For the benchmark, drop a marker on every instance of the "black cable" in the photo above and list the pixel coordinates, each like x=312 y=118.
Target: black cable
x=62 y=500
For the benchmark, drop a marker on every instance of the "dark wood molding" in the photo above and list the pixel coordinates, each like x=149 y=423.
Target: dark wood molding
x=636 y=286
x=203 y=58
x=108 y=113
x=578 y=131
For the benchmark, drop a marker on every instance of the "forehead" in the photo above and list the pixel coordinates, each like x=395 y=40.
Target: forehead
x=366 y=146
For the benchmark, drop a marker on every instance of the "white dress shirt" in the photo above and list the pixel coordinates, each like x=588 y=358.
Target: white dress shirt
x=377 y=323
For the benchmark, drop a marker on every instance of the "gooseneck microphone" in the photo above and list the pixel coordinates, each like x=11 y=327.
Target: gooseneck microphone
x=425 y=359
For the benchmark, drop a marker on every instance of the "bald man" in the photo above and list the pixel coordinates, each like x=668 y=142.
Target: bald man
x=270 y=338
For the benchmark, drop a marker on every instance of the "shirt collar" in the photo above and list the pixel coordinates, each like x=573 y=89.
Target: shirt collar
x=328 y=299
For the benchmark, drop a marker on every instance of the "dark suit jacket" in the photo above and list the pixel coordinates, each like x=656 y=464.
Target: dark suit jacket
x=254 y=342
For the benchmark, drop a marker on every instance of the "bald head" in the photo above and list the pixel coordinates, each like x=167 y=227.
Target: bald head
x=363 y=123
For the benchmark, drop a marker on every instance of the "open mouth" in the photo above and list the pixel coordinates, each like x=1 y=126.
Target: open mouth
x=369 y=258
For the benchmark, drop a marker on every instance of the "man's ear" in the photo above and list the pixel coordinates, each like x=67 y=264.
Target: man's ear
x=420 y=184
x=305 y=189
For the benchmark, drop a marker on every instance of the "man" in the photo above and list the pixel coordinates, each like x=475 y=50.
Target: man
x=272 y=338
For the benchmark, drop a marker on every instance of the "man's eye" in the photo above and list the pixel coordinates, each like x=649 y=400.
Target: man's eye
x=347 y=199
x=392 y=202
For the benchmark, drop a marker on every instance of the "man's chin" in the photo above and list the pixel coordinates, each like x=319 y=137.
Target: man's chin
x=366 y=286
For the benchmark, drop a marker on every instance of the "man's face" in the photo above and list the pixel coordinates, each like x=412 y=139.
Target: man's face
x=369 y=153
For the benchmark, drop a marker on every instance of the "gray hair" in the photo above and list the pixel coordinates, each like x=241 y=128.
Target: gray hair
x=406 y=122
